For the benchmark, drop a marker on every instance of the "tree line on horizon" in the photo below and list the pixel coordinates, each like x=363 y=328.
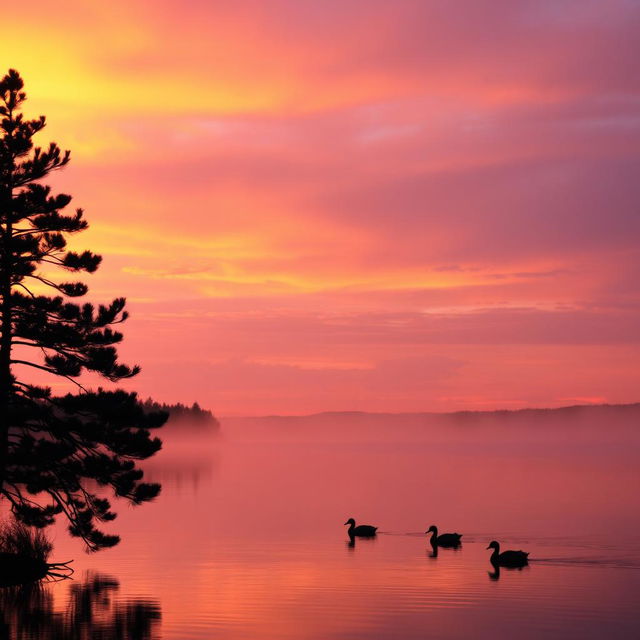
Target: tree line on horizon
x=179 y=412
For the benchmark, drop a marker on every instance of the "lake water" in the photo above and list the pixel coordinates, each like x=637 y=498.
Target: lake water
x=247 y=538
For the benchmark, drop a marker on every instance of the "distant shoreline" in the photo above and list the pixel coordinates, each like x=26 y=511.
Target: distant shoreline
x=569 y=409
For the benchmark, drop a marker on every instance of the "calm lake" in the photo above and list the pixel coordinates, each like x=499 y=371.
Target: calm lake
x=247 y=539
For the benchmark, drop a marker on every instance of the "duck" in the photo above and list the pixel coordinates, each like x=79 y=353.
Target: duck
x=362 y=530
x=444 y=539
x=507 y=558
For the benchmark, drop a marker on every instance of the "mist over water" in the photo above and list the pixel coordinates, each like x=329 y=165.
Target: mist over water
x=247 y=537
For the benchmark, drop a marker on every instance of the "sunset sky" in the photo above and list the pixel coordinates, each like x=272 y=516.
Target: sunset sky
x=343 y=205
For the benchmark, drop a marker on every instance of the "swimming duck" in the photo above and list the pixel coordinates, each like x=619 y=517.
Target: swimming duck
x=444 y=539
x=363 y=530
x=507 y=558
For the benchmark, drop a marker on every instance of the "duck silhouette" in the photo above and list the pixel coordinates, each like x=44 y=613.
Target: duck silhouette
x=507 y=558
x=362 y=530
x=444 y=539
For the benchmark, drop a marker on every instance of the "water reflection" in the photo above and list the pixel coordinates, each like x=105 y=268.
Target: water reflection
x=495 y=574
x=351 y=544
x=183 y=465
x=93 y=610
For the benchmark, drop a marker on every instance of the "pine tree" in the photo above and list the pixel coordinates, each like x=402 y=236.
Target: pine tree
x=58 y=455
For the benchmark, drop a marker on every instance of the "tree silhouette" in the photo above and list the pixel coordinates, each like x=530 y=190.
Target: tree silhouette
x=58 y=455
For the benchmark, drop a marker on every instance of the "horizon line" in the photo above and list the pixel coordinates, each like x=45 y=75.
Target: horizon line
x=431 y=413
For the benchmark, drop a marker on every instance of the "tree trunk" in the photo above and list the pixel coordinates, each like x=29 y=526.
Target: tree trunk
x=6 y=324
x=6 y=380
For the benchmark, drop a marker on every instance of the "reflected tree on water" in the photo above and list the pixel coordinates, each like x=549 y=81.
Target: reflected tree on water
x=93 y=610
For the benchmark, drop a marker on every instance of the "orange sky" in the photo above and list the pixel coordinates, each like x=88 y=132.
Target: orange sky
x=354 y=205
